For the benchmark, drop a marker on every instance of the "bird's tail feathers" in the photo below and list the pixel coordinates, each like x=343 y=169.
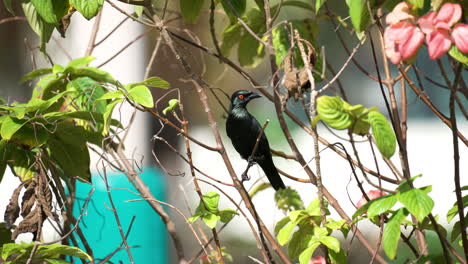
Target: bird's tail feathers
x=272 y=174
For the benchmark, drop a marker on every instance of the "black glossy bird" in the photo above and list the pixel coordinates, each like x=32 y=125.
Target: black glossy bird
x=243 y=130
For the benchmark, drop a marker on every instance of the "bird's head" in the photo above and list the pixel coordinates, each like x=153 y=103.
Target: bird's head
x=240 y=98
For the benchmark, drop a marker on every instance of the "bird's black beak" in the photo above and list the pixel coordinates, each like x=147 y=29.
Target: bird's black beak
x=253 y=96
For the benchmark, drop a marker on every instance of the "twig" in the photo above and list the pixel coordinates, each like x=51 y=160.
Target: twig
x=251 y=157
x=94 y=31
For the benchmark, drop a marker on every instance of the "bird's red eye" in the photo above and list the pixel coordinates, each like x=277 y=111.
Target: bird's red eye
x=241 y=96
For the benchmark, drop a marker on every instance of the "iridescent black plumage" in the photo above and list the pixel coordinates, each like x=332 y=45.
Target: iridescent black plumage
x=243 y=130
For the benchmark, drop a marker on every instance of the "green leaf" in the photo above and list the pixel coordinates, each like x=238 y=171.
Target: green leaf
x=56 y=261
x=34 y=74
x=417 y=202
x=227 y=214
x=171 y=105
x=456 y=231
x=285 y=233
x=111 y=95
x=154 y=82
x=8 y=7
x=331 y=111
x=249 y=51
x=314 y=208
x=319 y=4
x=454 y=210
x=299 y=242
x=391 y=233
x=51 y=11
x=418 y=4
x=281 y=223
x=234 y=8
x=337 y=258
x=211 y=220
x=31 y=135
x=108 y=115
x=88 y=8
x=306 y=255
x=138 y=11
x=300 y=4
x=68 y=148
x=80 y=62
x=258 y=188
x=405 y=186
x=335 y=225
x=191 y=10
x=56 y=249
x=381 y=205
x=23 y=163
x=13 y=248
x=141 y=95
x=3 y=157
x=331 y=242
x=231 y=36
x=458 y=55
x=5 y=234
x=359 y=13
x=211 y=201
x=288 y=199
x=383 y=134
x=38 y=25
x=93 y=73
x=281 y=43
x=10 y=126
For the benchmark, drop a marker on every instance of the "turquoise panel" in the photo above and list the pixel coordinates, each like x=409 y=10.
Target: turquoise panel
x=147 y=236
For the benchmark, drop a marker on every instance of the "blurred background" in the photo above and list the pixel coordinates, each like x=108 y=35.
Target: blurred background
x=429 y=140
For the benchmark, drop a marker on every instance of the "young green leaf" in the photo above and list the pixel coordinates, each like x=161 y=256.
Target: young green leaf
x=381 y=205
x=383 y=134
x=80 y=62
x=191 y=10
x=299 y=242
x=108 y=115
x=227 y=214
x=36 y=73
x=111 y=95
x=417 y=202
x=171 y=106
x=281 y=223
x=288 y=199
x=458 y=55
x=94 y=73
x=417 y=3
x=56 y=249
x=331 y=111
x=211 y=220
x=38 y=25
x=154 y=82
x=258 y=188
x=211 y=201
x=330 y=242
x=306 y=255
x=391 y=233
x=285 y=233
x=13 y=248
x=359 y=13
x=141 y=95
x=51 y=11
x=88 y=8
x=454 y=210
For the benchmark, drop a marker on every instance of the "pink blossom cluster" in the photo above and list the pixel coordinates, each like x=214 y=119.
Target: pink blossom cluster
x=317 y=260
x=406 y=33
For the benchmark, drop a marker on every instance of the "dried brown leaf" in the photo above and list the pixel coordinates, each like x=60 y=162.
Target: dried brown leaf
x=29 y=198
x=30 y=223
x=12 y=210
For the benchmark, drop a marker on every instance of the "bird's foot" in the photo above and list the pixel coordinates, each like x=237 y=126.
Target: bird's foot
x=245 y=177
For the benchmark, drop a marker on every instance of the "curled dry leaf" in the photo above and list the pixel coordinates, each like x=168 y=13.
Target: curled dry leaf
x=30 y=223
x=29 y=198
x=44 y=197
x=295 y=80
x=12 y=210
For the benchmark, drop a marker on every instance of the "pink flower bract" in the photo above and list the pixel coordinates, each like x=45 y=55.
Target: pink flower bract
x=460 y=37
x=400 y=12
x=317 y=260
x=373 y=194
x=438 y=43
x=402 y=41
